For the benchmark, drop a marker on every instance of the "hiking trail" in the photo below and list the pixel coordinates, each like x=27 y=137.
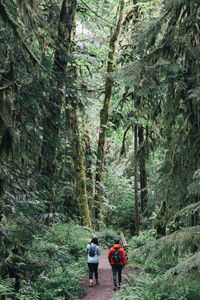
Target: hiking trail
x=103 y=291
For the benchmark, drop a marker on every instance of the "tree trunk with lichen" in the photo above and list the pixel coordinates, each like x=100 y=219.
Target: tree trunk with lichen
x=7 y=93
x=73 y=121
x=143 y=173
x=194 y=128
x=104 y=115
x=137 y=219
x=55 y=102
x=80 y=179
x=64 y=68
x=88 y=163
x=161 y=220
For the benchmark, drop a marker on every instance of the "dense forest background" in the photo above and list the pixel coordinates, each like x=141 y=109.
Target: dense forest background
x=99 y=133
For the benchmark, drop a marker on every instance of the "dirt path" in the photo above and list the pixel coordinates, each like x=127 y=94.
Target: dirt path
x=103 y=291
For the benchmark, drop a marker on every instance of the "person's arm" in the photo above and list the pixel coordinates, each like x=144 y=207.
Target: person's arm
x=123 y=257
x=98 y=251
x=109 y=255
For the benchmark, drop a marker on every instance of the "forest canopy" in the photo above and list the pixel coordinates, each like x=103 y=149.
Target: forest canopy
x=99 y=130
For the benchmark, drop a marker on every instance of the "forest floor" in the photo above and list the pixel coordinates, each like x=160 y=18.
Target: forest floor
x=103 y=291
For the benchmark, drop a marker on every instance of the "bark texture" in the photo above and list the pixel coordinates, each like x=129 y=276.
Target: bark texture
x=136 y=180
x=80 y=179
x=68 y=21
x=142 y=167
x=55 y=102
x=88 y=163
x=104 y=114
x=52 y=123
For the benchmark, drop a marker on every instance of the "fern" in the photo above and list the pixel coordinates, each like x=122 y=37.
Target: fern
x=6 y=286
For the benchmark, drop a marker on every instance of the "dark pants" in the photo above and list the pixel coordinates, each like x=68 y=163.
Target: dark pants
x=93 y=268
x=117 y=268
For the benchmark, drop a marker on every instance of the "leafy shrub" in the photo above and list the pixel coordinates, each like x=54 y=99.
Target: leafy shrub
x=173 y=269
x=107 y=237
x=162 y=254
x=147 y=286
x=140 y=288
x=118 y=209
x=59 y=259
x=144 y=238
x=6 y=286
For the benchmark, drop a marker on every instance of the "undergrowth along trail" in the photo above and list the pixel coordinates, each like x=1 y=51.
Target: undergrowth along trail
x=103 y=291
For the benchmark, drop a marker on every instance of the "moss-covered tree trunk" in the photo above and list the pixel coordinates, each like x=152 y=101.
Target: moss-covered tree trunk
x=161 y=220
x=66 y=31
x=143 y=172
x=52 y=121
x=69 y=8
x=88 y=163
x=192 y=11
x=77 y=153
x=7 y=94
x=104 y=114
x=194 y=125
x=136 y=180
x=194 y=128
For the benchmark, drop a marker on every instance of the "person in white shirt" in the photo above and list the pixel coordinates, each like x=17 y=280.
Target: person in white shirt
x=93 y=253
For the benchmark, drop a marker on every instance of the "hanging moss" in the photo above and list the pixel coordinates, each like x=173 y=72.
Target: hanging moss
x=169 y=54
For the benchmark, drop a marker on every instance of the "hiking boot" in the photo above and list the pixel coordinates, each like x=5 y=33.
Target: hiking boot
x=91 y=283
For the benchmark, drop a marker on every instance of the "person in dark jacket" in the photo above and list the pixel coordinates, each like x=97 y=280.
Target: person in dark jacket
x=116 y=257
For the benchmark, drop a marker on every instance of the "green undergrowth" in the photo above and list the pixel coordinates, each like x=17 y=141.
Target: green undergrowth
x=169 y=267
x=58 y=262
x=6 y=287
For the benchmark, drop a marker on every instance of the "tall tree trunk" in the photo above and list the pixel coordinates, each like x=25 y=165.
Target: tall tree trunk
x=136 y=180
x=68 y=14
x=194 y=216
x=193 y=132
x=66 y=30
x=104 y=114
x=7 y=93
x=143 y=173
x=88 y=162
x=80 y=179
x=52 y=120
x=49 y=146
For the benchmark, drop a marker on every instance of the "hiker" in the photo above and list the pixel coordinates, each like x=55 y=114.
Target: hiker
x=116 y=257
x=93 y=253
